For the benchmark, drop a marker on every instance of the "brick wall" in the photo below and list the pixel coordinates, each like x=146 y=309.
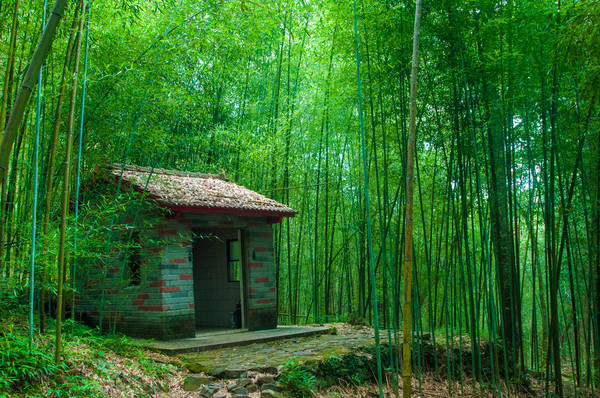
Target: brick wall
x=163 y=305
x=159 y=307
x=262 y=306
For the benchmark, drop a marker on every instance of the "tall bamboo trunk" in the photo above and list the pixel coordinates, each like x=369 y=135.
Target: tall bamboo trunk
x=66 y=192
x=408 y=241
x=49 y=185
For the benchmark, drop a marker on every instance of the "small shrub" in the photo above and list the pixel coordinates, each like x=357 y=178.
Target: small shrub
x=353 y=368
x=297 y=381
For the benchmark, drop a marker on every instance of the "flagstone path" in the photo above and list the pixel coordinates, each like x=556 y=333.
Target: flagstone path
x=266 y=357
x=252 y=370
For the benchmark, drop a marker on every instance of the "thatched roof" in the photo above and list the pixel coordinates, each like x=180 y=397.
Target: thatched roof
x=185 y=191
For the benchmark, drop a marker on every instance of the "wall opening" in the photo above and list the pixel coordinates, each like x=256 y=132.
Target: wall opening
x=219 y=279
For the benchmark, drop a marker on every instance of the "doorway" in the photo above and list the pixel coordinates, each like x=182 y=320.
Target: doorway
x=219 y=286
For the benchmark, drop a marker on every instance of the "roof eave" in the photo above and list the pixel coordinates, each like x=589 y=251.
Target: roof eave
x=235 y=211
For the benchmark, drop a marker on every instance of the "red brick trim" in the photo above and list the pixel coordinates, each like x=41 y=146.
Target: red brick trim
x=261 y=280
x=153 y=308
x=178 y=260
x=263 y=301
x=157 y=284
x=169 y=289
x=186 y=277
x=255 y=265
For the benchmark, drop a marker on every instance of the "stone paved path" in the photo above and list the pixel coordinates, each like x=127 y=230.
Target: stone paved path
x=268 y=356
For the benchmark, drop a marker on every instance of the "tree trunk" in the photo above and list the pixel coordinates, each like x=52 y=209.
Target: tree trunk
x=408 y=241
x=49 y=185
x=66 y=191
x=501 y=237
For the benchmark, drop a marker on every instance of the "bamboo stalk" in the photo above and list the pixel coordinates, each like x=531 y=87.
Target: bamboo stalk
x=408 y=242
x=66 y=191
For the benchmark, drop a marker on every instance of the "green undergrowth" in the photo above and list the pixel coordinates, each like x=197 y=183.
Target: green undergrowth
x=359 y=368
x=296 y=380
x=90 y=364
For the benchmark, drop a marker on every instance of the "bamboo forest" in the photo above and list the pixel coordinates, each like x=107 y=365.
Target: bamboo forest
x=441 y=160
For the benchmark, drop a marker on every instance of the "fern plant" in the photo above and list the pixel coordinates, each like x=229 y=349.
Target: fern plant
x=296 y=380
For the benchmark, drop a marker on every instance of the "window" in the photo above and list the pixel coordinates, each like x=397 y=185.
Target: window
x=132 y=259
x=233 y=260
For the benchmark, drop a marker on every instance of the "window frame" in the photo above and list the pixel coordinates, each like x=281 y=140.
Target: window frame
x=233 y=265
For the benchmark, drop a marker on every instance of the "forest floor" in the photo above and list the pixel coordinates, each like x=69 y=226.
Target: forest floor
x=111 y=366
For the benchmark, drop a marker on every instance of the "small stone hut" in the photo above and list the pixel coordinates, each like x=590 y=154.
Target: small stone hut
x=206 y=261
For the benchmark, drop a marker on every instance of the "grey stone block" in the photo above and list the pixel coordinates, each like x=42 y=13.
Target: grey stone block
x=271 y=394
x=265 y=380
x=232 y=373
x=272 y=387
x=194 y=382
x=208 y=391
x=244 y=381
